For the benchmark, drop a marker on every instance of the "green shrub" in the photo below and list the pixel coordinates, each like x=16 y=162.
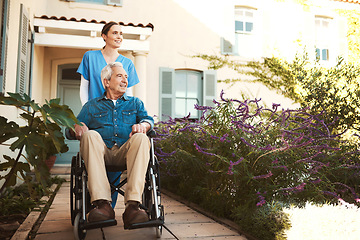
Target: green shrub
x=240 y=157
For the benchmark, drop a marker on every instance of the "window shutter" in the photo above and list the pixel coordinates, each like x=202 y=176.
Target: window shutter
x=167 y=93
x=22 y=75
x=227 y=48
x=114 y=2
x=209 y=87
x=4 y=42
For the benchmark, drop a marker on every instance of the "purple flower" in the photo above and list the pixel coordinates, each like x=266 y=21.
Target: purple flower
x=269 y=174
x=202 y=108
x=223 y=138
x=316 y=181
x=249 y=144
x=283 y=167
x=298 y=188
x=331 y=194
x=163 y=154
x=199 y=149
x=308 y=158
x=232 y=164
x=346 y=186
x=262 y=200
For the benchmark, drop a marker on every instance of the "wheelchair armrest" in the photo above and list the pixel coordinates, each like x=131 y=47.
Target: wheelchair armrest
x=68 y=134
x=151 y=133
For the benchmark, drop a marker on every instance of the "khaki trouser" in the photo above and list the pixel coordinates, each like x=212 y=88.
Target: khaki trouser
x=134 y=154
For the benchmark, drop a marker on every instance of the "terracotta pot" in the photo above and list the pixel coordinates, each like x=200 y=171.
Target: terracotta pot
x=50 y=161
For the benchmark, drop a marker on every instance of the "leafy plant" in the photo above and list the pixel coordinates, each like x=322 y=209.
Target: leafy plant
x=334 y=90
x=240 y=157
x=38 y=138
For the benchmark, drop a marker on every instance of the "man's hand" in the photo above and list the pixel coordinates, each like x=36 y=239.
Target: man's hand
x=140 y=128
x=79 y=130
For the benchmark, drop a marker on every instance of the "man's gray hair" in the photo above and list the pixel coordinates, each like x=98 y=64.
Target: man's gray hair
x=107 y=71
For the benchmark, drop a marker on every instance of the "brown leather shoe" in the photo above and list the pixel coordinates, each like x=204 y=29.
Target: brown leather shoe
x=102 y=211
x=133 y=215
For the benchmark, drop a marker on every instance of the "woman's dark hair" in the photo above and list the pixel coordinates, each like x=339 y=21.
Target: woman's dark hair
x=107 y=27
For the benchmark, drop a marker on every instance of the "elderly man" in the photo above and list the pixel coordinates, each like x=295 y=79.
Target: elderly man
x=113 y=131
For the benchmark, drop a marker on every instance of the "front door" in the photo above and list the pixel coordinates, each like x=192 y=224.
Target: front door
x=69 y=93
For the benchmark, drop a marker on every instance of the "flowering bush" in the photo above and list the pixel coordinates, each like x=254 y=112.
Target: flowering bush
x=241 y=159
x=335 y=90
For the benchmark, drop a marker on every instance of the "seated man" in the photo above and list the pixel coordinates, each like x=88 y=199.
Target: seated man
x=113 y=131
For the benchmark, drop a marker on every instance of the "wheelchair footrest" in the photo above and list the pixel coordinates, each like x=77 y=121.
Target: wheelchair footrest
x=151 y=223
x=100 y=224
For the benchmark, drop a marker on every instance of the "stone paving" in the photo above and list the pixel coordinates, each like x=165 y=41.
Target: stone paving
x=183 y=221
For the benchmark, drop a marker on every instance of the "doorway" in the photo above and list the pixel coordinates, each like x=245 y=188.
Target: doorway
x=69 y=94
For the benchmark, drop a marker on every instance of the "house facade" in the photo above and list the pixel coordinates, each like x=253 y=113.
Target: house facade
x=43 y=41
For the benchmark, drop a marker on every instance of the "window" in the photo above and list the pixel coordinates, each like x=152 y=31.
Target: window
x=244 y=20
x=4 y=23
x=322 y=37
x=187 y=93
x=107 y=2
x=180 y=90
x=246 y=41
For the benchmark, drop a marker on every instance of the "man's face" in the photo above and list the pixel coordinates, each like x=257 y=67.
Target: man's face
x=118 y=81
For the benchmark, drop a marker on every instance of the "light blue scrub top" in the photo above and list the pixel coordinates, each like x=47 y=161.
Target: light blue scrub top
x=92 y=64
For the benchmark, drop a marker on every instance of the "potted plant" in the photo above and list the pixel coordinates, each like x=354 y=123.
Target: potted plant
x=39 y=138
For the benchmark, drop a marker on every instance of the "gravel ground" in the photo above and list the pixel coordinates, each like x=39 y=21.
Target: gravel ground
x=325 y=222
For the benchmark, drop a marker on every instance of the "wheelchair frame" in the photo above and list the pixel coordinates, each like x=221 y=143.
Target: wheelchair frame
x=80 y=203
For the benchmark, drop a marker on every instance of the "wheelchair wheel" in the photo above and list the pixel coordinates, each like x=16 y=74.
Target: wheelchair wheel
x=78 y=232
x=72 y=190
x=152 y=197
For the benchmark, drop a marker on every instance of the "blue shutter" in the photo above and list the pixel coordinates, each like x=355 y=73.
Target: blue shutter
x=22 y=71
x=4 y=40
x=318 y=53
x=227 y=48
x=209 y=87
x=167 y=93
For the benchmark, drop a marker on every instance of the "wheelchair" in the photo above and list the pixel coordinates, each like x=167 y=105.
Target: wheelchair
x=80 y=203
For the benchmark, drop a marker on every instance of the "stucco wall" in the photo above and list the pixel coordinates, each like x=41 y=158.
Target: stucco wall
x=176 y=36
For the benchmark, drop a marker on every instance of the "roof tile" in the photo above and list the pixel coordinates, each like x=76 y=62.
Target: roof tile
x=63 y=18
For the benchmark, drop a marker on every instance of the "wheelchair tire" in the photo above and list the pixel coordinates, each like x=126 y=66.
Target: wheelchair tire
x=72 y=191
x=78 y=233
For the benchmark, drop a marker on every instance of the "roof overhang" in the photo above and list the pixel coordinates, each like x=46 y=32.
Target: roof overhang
x=87 y=35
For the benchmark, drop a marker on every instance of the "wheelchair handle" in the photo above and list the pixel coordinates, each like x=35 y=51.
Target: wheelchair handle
x=151 y=133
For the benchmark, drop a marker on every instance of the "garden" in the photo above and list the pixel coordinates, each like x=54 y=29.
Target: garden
x=252 y=163
x=32 y=143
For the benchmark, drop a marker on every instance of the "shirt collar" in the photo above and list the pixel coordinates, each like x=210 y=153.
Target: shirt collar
x=124 y=96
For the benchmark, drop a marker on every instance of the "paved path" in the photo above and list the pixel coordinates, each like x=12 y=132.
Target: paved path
x=184 y=222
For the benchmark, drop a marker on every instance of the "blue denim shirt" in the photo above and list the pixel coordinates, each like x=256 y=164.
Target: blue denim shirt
x=114 y=122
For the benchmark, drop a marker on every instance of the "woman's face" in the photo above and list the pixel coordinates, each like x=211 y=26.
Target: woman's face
x=114 y=37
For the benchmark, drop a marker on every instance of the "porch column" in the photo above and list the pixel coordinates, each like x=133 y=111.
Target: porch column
x=139 y=90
